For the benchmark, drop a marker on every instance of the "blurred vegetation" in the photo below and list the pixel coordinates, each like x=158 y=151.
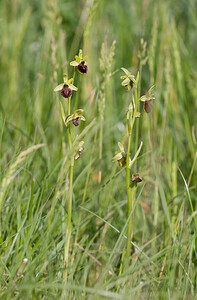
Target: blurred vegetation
x=38 y=40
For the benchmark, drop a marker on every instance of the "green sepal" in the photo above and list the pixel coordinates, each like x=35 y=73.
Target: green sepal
x=59 y=87
x=65 y=77
x=143 y=98
x=74 y=63
x=77 y=114
x=79 y=111
x=121 y=147
x=73 y=87
x=125 y=71
x=69 y=81
x=85 y=57
x=68 y=119
x=77 y=58
x=82 y=118
x=132 y=78
x=80 y=54
x=149 y=95
x=117 y=157
x=123 y=77
x=125 y=82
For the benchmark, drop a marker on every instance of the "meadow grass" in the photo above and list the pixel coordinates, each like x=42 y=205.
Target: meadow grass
x=38 y=41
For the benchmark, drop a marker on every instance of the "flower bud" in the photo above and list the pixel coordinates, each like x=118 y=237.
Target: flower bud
x=135 y=180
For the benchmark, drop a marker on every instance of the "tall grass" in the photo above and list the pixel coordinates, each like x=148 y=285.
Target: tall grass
x=38 y=40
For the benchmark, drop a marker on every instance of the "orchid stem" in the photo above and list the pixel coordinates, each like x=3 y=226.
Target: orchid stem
x=69 y=217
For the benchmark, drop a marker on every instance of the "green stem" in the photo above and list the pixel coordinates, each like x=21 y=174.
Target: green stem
x=69 y=224
x=130 y=204
x=130 y=191
x=68 y=126
x=137 y=95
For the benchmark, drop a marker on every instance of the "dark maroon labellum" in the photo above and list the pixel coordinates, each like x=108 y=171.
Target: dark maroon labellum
x=131 y=83
x=76 y=121
x=82 y=68
x=129 y=86
x=66 y=92
x=148 y=106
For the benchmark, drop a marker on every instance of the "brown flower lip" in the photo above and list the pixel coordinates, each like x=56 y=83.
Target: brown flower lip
x=122 y=161
x=130 y=85
x=148 y=106
x=136 y=178
x=76 y=121
x=66 y=92
x=82 y=68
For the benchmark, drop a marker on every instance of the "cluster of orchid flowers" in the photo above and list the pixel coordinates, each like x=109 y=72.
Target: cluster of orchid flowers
x=67 y=87
x=128 y=82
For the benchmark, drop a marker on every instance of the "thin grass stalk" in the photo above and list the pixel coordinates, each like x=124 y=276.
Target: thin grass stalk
x=80 y=214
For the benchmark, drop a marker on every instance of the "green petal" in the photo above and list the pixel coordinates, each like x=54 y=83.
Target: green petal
x=65 y=77
x=59 y=87
x=74 y=63
x=72 y=87
x=79 y=111
x=132 y=78
x=69 y=81
x=125 y=82
x=117 y=157
x=126 y=71
x=82 y=118
x=85 y=57
x=143 y=98
x=120 y=147
x=123 y=77
x=77 y=58
x=68 y=119
x=80 y=53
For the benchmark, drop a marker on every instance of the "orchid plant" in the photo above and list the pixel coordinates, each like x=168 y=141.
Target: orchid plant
x=123 y=157
x=66 y=88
